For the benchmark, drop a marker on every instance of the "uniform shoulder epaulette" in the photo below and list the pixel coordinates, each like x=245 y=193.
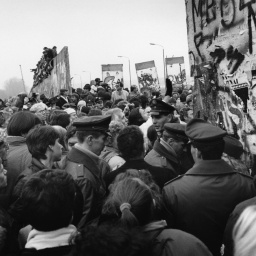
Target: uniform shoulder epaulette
x=80 y=170
x=176 y=178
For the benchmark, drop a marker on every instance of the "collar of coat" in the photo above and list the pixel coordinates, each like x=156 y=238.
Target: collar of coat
x=161 y=150
x=80 y=157
x=210 y=167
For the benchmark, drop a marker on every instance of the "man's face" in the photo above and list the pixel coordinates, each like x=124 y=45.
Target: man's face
x=159 y=121
x=177 y=145
x=74 y=99
x=65 y=93
x=98 y=144
x=118 y=87
x=71 y=142
x=194 y=153
x=57 y=150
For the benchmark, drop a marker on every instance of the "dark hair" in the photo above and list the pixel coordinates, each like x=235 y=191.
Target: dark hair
x=133 y=87
x=54 y=113
x=210 y=151
x=135 y=117
x=144 y=101
x=48 y=198
x=137 y=194
x=39 y=139
x=183 y=97
x=109 y=240
x=85 y=109
x=63 y=120
x=108 y=104
x=117 y=101
x=81 y=135
x=95 y=112
x=152 y=134
x=136 y=102
x=104 y=95
x=21 y=122
x=130 y=142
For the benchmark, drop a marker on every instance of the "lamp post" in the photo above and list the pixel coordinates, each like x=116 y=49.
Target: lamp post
x=129 y=68
x=89 y=73
x=22 y=79
x=163 y=59
x=80 y=79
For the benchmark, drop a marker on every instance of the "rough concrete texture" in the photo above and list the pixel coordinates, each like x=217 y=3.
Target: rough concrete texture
x=222 y=51
x=59 y=78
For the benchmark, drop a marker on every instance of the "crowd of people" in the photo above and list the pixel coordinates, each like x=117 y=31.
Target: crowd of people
x=97 y=171
x=44 y=66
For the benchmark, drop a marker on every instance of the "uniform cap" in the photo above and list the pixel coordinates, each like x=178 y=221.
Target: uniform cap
x=159 y=106
x=177 y=129
x=92 y=123
x=203 y=132
x=233 y=147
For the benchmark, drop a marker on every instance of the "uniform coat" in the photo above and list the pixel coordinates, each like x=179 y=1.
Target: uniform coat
x=160 y=156
x=201 y=201
x=88 y=171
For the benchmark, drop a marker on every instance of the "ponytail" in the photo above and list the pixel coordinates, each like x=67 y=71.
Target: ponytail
x=127 y=218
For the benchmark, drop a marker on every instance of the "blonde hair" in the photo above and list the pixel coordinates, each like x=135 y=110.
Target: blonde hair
x=244 y=233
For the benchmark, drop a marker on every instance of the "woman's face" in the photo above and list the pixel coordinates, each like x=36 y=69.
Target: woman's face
x=145 y=113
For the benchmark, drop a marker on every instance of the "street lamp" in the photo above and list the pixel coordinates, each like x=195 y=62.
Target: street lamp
x=129 y=68
x=163 y=59
x=80 y=79
x=89 y=73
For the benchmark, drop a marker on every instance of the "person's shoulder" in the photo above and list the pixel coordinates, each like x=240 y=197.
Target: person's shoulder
x=126 y=93
x=246 y=176
x=174 y=181
x=116 y=162
x=184 y=242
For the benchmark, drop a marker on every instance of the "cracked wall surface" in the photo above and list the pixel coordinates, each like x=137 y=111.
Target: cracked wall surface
x=222 y=53
x=59 y=78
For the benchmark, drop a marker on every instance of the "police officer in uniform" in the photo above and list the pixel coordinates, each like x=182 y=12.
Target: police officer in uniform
x=161 y=114
x=200 y=201
x=171 y=149
x=85 y=165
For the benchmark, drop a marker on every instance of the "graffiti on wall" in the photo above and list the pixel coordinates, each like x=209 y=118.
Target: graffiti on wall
x=59 y=78
x=222 y=41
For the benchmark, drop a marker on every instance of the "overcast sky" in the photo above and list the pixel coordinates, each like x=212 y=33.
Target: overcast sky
x=95 y=31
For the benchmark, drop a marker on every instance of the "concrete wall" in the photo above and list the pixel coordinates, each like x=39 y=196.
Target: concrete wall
x=59 y=78
x=222 y=51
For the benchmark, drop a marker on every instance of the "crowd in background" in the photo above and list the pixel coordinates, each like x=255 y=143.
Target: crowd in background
x=102 y=171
